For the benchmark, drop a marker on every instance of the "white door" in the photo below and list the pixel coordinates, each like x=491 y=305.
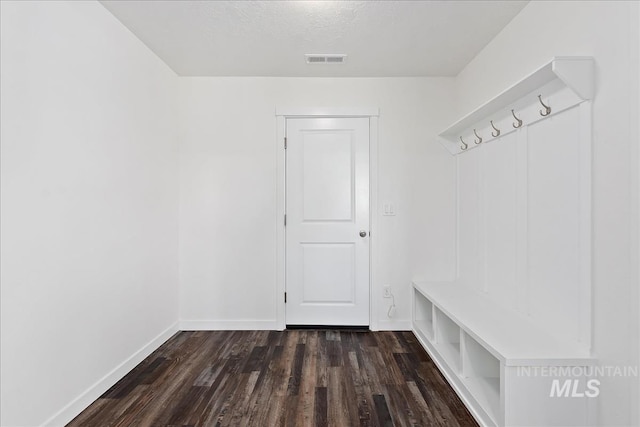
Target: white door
x=327 y=221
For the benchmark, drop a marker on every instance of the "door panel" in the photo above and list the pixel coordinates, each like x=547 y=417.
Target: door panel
x=328 y=176
x=327 y=265
x=328 y=273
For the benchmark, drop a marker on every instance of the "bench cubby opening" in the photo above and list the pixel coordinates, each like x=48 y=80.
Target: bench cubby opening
x=481 y=375
x=447 y=338
x=423 y=315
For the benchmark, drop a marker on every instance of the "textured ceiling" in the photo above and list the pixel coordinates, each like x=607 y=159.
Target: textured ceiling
x=270 y=38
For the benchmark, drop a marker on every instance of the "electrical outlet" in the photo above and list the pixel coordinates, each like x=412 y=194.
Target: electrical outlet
x=386 y=291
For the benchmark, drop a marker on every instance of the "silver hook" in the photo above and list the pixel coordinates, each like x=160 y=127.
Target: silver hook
x=464 y=144
x=546 y=107
x=479 y=140
x=497 y=132
x=519 y=122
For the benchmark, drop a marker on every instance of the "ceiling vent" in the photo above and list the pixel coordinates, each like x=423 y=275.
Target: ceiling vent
x=317 y=58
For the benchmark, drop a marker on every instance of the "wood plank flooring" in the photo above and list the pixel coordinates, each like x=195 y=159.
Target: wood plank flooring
x=282 y=378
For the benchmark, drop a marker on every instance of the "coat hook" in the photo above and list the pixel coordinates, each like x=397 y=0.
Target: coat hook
x=479 y=140
x=519 y=122
x=546 y=107
x=497 y=132
x=464 y=145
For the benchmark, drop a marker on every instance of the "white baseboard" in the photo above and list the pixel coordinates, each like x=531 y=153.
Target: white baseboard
x=229 y=325
x=86 y=398
x=394 y=325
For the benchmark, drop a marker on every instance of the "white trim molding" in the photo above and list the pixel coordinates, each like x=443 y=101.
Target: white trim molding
x=327 y=112
x=374 y=260
x=281 y=204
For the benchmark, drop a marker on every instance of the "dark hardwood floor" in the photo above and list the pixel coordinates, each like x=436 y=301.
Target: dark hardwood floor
x=290 y=378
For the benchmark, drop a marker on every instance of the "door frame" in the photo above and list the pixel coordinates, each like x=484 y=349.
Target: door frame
x=282 y=114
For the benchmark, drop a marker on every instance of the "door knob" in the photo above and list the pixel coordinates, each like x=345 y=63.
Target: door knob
x=363 y=233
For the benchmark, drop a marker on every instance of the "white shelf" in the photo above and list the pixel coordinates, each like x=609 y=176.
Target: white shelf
x=486 y=391
x=506 y=334
x=575 y=74
x=451 y=352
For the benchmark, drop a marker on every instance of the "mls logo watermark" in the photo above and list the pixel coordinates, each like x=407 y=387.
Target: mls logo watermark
x=576 y=381
x=575 y=388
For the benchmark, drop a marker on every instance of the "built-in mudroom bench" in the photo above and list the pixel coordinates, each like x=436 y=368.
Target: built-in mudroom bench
x=494 y=358
x=511 y=332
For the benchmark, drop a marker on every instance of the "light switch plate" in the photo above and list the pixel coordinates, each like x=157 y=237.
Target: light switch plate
x=388 y=209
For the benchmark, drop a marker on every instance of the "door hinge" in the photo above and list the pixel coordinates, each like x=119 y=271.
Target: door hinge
x=285 y=297
x=285 y=220
x=285 y=142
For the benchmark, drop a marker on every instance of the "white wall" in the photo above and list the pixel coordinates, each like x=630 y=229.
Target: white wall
x=89 y=206
x=608 y=32
x=636 y=191
x=228 y=190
